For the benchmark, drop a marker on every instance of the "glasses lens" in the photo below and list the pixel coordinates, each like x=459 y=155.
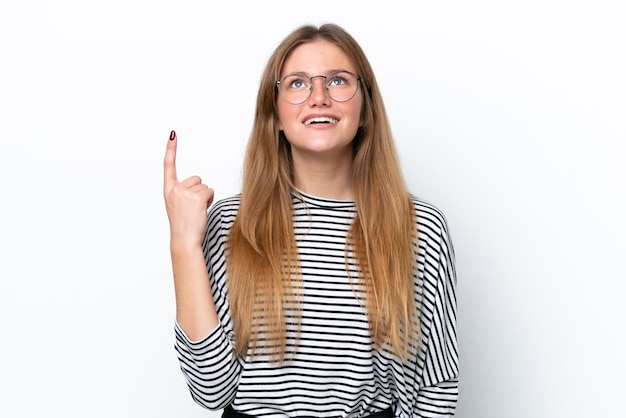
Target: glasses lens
x=295 y=88
x=342 y=86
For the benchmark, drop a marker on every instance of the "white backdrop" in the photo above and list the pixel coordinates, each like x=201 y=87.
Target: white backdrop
x=510 y=116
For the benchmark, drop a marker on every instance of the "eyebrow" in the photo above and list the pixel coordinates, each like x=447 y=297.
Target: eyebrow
x=305 y=74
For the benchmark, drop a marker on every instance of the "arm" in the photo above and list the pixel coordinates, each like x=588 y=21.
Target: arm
x=204 y=350
x=437 y=393
x=187 y=203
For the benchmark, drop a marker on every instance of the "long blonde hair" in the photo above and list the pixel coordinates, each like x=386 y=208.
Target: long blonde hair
x=262 y=262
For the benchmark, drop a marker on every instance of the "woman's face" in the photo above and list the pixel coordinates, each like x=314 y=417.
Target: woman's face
x=320 y=126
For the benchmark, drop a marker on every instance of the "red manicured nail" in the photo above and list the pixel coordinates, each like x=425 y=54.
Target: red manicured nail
x=172 y=135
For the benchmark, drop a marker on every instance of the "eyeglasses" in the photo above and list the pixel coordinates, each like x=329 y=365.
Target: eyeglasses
x=340 y=86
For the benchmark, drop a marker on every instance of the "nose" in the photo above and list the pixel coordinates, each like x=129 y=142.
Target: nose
x=319 y=95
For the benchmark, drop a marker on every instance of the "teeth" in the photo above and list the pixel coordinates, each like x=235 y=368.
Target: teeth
x=321 y=120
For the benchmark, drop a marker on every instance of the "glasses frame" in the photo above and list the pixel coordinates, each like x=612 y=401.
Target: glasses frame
x=325 y=77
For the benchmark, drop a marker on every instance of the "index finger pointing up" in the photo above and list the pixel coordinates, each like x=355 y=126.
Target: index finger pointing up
x=169 y=163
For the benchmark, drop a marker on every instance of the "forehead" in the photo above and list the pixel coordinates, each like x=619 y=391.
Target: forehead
x=317 y=57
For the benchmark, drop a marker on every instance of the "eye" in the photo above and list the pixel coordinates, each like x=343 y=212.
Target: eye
x=337 y=80
x=296 y=83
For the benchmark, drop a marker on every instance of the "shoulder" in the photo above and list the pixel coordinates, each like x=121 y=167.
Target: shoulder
x=430 y=219
x=223 y=212
x=225 y=206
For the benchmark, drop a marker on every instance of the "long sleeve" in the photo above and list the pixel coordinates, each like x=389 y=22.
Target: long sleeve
x=210 y=366
x=437 y=390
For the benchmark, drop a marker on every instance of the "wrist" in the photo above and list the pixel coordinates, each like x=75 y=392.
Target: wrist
x=184 y=246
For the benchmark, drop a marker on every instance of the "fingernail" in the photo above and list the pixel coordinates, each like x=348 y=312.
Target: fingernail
x=172 y=135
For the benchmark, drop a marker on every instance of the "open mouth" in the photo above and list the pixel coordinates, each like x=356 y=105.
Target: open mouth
x=320 y=120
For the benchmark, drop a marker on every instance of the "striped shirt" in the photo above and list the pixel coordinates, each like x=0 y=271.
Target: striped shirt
x=334 y=369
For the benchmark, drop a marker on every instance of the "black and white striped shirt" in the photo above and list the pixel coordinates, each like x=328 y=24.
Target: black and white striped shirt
x=334 y=369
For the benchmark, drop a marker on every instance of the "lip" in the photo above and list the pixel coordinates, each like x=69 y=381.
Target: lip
x=324 y=119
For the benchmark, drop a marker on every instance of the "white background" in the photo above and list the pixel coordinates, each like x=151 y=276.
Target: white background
x=510 y=116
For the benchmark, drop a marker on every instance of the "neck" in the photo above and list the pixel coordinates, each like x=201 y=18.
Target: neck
x=327 y=178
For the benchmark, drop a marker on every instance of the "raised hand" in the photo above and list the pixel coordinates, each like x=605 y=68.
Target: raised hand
x=186 y=202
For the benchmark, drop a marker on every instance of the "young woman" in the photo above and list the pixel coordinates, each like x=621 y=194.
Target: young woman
x=324 y=289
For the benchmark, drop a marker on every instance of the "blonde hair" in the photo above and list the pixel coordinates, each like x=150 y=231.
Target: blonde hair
x=262 y=263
